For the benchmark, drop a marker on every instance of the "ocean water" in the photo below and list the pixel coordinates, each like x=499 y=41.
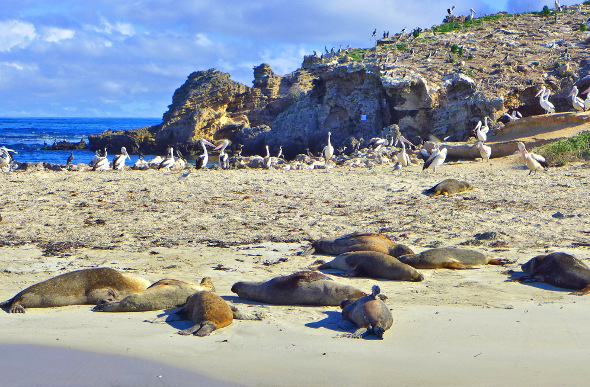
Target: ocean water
x=28 y=135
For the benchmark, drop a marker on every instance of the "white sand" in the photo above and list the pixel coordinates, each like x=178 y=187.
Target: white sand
x=455 y=328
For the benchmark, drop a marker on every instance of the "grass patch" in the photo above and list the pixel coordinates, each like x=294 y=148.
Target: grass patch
x=356 y=54
x=561 y=152
x=401 y=47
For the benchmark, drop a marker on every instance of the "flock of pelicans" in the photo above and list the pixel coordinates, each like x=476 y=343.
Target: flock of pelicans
x=357 y=255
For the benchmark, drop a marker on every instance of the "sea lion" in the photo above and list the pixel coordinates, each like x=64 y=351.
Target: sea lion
x=208 y=311
x=369 y=313
x=448 y=187
x=359 y=241
x=300 y=288
x=559 y=269
x=450 y=258
x=80 y=287
x=373 y=264
x=164 y=294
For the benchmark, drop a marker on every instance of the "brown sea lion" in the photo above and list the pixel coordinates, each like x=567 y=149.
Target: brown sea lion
x=369 y=313
x=80 y=287
x=448 y=187
x=373 y=264
x=208 y=311
x=359 y=241
x=164 y=294
x=559 y=269
x=300 y=288
x=450 y=258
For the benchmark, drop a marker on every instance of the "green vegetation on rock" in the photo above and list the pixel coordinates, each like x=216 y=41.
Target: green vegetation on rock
x=561 y=152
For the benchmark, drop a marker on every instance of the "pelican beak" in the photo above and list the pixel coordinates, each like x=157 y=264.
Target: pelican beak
x=208 y=143
x=571 y=93
x=585 y=91
x=407 y=141
x=539 y=93
x=219 y=146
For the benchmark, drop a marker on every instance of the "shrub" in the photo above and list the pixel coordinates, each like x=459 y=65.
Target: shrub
x=545 y=11
x=454 y=48
x=470 y=56
x=583 y=27
x=401 y=47
x=461 y=52
x=561 y=152
x=452 y=60
x=416 y=32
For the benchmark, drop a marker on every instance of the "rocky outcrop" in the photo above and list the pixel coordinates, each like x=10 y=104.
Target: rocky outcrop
x=435 y=85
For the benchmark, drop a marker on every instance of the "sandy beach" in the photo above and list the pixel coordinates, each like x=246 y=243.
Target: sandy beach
x=457 y=327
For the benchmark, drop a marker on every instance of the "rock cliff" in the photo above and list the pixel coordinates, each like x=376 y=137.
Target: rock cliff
x=437 y=84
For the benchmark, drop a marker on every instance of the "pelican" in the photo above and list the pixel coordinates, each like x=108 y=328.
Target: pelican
x=203 y=159
x=484 y=150
x=404 y=158
x=280 y=154
x=470 y=17
x=436 y=159
x=97 y=157
x=577 y=102
x=450 y=10
x=168 y=162
x=71 y=158
x=377 y=142
x=7 y=158
x=328 y=150
x=223 y=157
x=267 y=160
x=514 y=116
x=102 y=162
x=533 y=161
x=481 y=132
x=587 y=101
x=543 y=95
x=119 y=160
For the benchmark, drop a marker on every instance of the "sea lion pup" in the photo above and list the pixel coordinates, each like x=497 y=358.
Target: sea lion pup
x=80 y=287
x=558 y=269
x=164 y=294
x=208 y=311
x=450 y=258
x=359 y=241
x=300 y=288
x=448 y=187
x=369 y=313
x=373 y=264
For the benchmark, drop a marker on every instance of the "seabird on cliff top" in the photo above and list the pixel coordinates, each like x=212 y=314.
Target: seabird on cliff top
x=450 y=10
x=223 y=157
x=202 y=160
x=587 y=101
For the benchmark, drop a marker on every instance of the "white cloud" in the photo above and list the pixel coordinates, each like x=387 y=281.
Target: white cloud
x=202 y=40
x=19 y=66
x=54 y=34
x=15 y=33
x=105 y=27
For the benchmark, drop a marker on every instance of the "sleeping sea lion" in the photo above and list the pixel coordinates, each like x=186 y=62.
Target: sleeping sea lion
x=80 y=287
x=164 y=294
x=359 y=241
x=450 y=258
x=559 y=269
x=448 y=187
x=373 y=264
x=369 y=313
x=208 y=311
x=300 y=288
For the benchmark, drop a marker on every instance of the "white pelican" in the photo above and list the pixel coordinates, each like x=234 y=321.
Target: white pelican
x=179 y=161
x=102 y=162
x=141 y=164
x=533 y=161
x=168 y=162
x=7 y=158
x=436 y=159
x=470 y=17
x=328 y=150
x=404 y=158
x=514 y=116
x=377 y=142
x=480 y=133
x=543 y=95
x=267 y=160
x=577 y=102
x=484 y=150
x=223 y=157
x=587 y=101
x=280 y=154
x=97 y=157
x=202 y=160
x=119 y=160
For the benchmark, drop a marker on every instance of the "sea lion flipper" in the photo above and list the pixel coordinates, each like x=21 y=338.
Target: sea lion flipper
x=582 y=291
x=501 y=262
x=457 y=266
x=16 y=308
x=307 y=251
x=378 y=331
x=358 y=334
x=206 y=328
x=239 y=315
x=190 y=331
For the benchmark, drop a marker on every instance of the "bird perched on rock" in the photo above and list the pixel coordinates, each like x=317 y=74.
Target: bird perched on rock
x=543 y=95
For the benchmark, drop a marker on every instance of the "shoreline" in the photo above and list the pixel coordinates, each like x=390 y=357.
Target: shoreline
x=457 y=327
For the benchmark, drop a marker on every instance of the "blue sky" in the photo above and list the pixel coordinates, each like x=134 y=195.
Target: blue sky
x=72 y=58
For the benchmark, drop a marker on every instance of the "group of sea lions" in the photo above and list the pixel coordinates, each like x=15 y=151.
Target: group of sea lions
x=358 y=254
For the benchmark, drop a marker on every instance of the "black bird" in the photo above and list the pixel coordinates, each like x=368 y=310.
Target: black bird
x=450 y=10
x=71 y=158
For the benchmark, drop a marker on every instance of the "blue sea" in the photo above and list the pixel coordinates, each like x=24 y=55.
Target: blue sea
x=28 y=135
